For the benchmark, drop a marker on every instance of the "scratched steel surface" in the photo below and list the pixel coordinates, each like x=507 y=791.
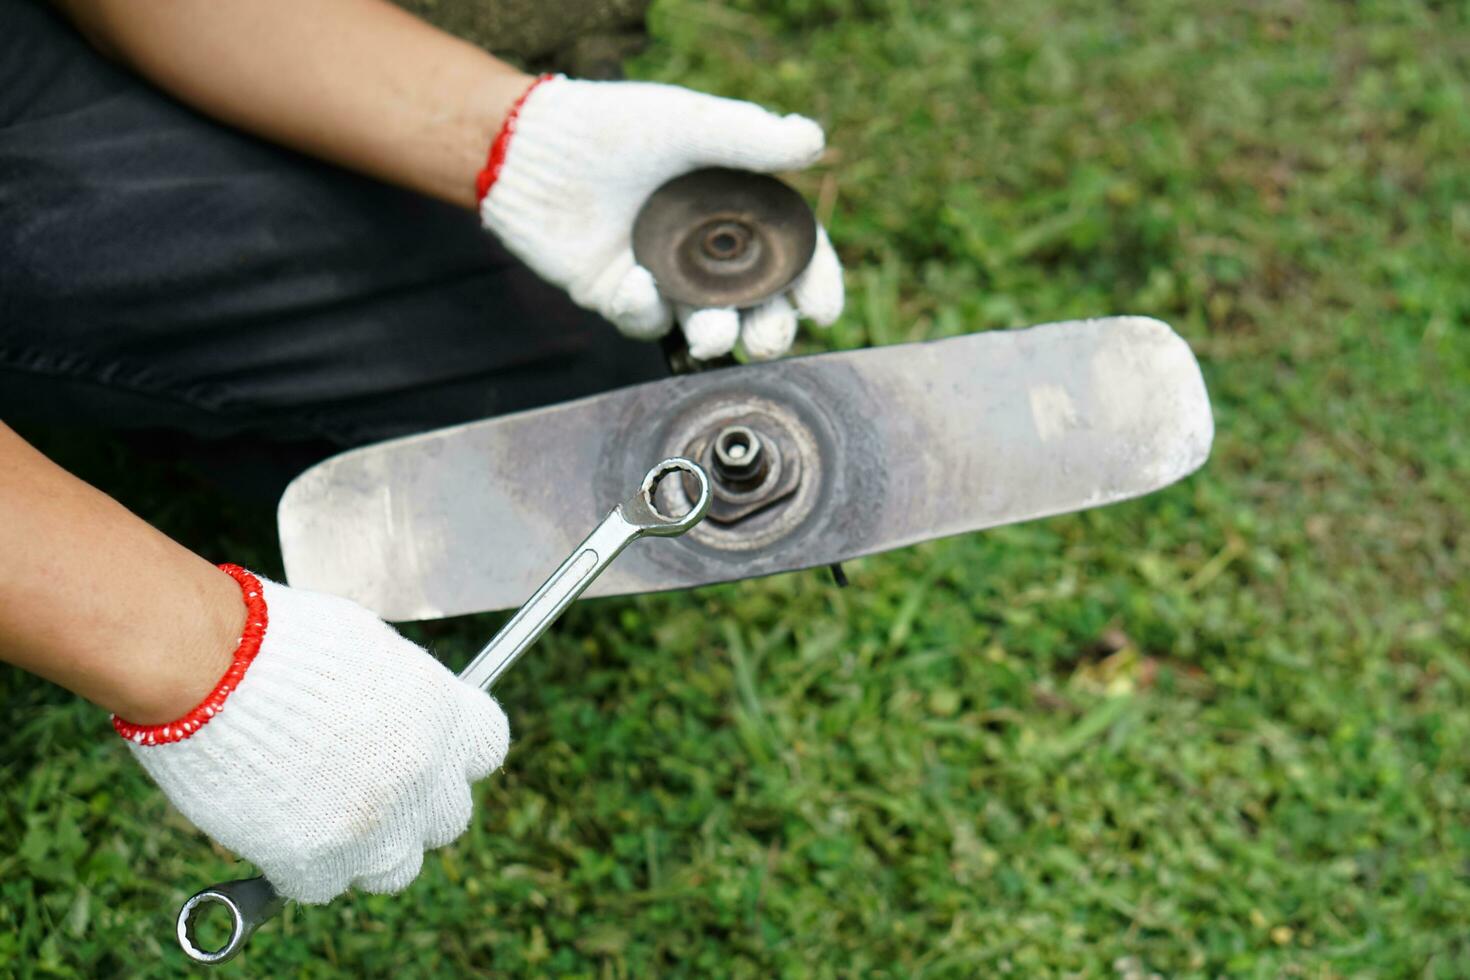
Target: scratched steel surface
x=909 y=442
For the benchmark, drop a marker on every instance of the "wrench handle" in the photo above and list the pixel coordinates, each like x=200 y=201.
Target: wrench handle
x=626 y=523
x=542 y=609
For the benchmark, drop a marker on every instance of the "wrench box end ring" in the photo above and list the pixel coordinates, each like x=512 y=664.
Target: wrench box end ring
x=195 y=906
x=250 y=902
x=670 y=525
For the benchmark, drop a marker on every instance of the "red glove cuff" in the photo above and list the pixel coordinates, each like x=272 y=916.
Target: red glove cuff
x=181 y=728
x=501 y=143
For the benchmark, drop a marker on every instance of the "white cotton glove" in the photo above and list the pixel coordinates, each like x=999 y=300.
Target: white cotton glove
x=577 y=160
x=343 y=752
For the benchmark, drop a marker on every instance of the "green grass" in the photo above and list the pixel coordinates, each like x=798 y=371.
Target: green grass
x=1223 y=730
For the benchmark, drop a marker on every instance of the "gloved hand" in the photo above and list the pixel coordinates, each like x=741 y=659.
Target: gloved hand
x=332 y=754
x=576 y=160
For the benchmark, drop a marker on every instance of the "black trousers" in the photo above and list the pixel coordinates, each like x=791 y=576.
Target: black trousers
x=159 y=271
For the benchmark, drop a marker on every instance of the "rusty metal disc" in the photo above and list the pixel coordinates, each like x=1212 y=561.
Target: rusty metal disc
x=724 y=238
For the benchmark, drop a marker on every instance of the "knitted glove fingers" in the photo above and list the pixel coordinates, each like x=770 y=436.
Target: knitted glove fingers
x=636 y=307
x=395 y=879
x=768 y=330
x=484 y=735
x=434 y=812
x=709 y=332
x=625 y=293
x=718 y=132
x=818 y=292
x=451 y=817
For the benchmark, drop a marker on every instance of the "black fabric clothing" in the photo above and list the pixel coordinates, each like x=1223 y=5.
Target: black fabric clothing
x=162 y=271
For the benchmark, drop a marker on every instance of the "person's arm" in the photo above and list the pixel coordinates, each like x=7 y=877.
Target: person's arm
x=296 y=729
x=360 y=83
x=97 y=601
x=569 y=163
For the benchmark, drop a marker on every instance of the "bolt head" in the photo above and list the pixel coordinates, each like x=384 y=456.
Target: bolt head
x=738 y=452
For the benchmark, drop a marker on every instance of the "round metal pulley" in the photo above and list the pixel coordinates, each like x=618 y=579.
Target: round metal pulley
x=724 y=238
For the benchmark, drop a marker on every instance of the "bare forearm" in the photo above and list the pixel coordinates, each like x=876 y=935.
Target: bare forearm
x=97 y=601
x=360 y=83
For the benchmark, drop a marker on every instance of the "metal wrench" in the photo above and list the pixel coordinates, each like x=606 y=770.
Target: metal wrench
x=253 y=901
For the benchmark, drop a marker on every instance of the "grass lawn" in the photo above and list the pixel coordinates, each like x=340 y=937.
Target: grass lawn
x=1224 y=730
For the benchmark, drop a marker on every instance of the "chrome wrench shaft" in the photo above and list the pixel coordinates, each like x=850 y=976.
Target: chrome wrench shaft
x=627 y=522
x=251 y=902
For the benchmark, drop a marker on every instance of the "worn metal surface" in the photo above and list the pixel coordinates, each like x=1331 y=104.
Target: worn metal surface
x=724 y=238
x=901 y=444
